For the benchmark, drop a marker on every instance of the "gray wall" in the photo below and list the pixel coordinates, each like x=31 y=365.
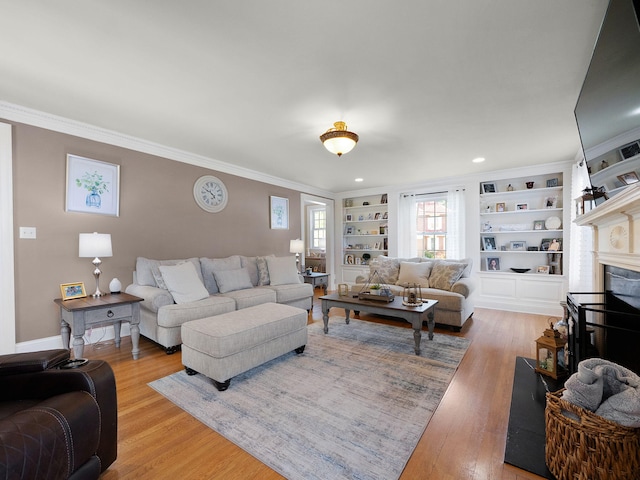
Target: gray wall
x=158 y=219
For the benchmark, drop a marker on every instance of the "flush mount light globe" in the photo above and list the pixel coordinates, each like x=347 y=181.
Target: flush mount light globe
x=338 y=139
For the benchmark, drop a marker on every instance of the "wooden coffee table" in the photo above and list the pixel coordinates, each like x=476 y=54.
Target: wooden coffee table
x=414 y=315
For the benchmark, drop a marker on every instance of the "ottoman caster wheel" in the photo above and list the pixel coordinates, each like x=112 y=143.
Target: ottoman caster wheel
x=299 y=350
x=221 y=386
x=190 y=371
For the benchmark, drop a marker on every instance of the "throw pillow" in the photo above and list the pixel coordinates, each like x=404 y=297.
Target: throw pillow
x=183 y=282
x=263 y=270
x=411 y=272
x=144 y=271
x=445 y=274
x=209 y=265
x=231 y=280
x=282 y=270
x=387 y=268
x=147 y=272
x=251 y=263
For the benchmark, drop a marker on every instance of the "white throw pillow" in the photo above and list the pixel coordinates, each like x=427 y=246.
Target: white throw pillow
x=183 y=282
x=282 y=270
x=231 y=280
x=411 y=272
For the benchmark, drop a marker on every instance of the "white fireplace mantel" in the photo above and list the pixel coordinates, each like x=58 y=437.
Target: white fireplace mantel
x=616 y=232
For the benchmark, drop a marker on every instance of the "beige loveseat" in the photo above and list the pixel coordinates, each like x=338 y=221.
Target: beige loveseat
x=447 y=281
x=178 y=291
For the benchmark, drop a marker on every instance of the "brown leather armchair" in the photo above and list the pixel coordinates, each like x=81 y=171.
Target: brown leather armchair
x=55 y=421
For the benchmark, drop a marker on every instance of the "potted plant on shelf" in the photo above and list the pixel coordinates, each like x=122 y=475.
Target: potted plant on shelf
x=375 y=289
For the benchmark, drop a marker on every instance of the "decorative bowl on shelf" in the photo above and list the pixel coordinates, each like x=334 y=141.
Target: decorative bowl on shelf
x=520 y=270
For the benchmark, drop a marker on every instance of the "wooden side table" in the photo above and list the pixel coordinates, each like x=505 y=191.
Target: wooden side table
x=317 y=279
x=112 y=309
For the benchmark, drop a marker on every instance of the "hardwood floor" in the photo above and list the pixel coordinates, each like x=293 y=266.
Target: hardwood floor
x=465 y=438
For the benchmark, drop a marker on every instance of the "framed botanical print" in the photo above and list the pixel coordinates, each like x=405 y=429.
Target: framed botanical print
x=92 y=186
x=279 y=208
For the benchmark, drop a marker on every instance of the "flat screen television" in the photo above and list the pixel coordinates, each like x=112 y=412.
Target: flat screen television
x=608 y=108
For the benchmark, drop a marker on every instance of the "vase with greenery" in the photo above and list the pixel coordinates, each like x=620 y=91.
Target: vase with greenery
x=95 y=184
x=375 y=289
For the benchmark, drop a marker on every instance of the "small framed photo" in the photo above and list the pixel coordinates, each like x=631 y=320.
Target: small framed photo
x=553 y=182
x=488 y=187
x=279 y=208
x=542 y=269
x=551 y=202
x=522 y=206
x=376 y=246
x=518 y=245
x=349 y=217
x=72 y=290
x=628 y=178
x=349 y=259
x=358 y=261
x=501 y=207
x=493 y=263
x=538 y=225
x=349 y=230
x=551 y=245
x=377 y=216
x=385 y=216
x=489 y=243
x=383 y=199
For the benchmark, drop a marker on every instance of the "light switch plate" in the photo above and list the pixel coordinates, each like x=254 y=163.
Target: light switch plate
x=28 y=232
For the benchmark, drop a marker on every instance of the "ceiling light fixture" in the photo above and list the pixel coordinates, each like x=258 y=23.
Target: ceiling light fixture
x=478 y=160
x=338 y=139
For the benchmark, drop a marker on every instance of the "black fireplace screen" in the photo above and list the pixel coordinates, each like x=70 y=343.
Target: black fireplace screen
x=607 y=324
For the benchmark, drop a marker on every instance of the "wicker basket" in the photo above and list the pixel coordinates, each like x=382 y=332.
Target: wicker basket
x=582 y=445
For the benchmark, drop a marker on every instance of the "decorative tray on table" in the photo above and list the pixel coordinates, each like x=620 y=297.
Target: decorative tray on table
x=386 y=297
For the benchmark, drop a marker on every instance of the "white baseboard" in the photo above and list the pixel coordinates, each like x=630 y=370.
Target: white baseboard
x=93 y=336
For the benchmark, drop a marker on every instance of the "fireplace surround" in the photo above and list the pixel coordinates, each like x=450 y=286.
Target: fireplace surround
x=607 y=323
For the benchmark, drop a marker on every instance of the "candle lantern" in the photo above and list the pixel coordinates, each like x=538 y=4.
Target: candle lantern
x=412 y=295
x=550 y=354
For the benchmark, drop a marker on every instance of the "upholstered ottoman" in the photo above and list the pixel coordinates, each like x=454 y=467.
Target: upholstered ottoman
x=226 y=345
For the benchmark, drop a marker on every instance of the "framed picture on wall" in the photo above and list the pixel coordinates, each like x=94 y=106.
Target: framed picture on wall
x=92 y=186
x=279 y=208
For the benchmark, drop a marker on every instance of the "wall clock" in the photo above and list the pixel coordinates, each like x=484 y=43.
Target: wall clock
x=210 y=193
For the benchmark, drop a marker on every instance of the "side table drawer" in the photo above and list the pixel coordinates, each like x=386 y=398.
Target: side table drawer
x=108 y=313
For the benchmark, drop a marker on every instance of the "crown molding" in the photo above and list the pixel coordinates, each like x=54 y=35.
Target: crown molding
x=18 y=113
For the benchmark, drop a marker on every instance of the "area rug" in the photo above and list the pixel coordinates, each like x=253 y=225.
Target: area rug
x=353 y=405
x=526 y=432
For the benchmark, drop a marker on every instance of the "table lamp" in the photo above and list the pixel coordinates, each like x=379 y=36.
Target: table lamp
x=297 y=247
x=95 y=245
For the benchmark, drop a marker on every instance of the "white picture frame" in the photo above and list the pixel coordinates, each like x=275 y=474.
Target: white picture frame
x=488 y=187
x=279 y=208
x=92 y=186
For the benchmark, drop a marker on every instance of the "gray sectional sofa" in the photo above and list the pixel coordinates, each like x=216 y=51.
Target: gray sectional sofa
x=447 y=281
x=178 y=291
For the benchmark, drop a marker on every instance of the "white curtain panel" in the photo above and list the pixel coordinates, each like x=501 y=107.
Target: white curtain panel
x=407 y=243
x=455 y=223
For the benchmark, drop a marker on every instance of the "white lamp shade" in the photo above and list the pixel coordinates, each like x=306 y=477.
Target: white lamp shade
x=296 y=246
x=95 y=245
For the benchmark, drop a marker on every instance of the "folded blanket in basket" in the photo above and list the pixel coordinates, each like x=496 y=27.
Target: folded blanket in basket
x=607 y=389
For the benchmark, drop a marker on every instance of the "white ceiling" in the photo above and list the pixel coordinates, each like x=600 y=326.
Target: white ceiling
x=427 y=84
